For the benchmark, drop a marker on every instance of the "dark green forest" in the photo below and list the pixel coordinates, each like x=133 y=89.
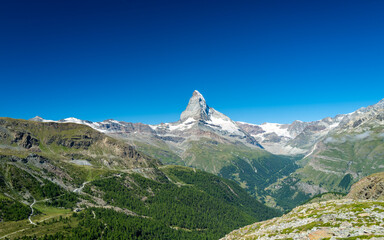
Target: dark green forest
x=179 y=203
x=11 y=210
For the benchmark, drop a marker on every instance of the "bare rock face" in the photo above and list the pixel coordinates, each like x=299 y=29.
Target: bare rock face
x=251 y=128
x=197 y=108
x=371 y=187
x=77 y=142
x=25 y=139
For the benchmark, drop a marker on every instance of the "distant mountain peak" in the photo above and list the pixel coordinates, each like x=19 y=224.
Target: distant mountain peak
x=197 y=108
x=40 y=119
x=37 y=119
x=71 y=119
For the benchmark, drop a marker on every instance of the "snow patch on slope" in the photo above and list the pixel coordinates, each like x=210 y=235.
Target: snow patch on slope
x=94 y=125
x=72 y=120
x=224 y=123
x=187 y=124
x=276 y=128
x=177 y=126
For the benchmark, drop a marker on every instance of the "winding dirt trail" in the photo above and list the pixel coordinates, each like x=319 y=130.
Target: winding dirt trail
x=30 y=215
x=78 y=190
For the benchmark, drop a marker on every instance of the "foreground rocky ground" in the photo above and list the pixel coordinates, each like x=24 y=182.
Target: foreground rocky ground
x=335 y=219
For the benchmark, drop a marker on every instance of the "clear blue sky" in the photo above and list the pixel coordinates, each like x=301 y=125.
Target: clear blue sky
x=140 y=61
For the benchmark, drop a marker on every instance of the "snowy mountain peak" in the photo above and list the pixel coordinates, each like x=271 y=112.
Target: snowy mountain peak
x=76 y=120
x=197 y=93
x=205 y=118
x=197 y=108
x=71 y=120
x=37 y=119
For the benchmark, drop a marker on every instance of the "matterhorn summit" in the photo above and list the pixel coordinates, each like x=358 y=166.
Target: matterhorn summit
x=197 y=108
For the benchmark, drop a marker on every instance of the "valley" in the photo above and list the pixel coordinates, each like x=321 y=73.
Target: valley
x=198 y=178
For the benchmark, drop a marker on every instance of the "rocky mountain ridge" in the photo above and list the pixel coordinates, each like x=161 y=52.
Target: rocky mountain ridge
x=205 y=139
x=332 y=153
x=198 y=119
x=352 y=150
x=290 y=139
x=336 y=157
x=300 y=137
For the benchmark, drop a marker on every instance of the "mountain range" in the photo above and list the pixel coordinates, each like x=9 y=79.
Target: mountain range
x=77 y=179
x=69 y=181
x=271 y=161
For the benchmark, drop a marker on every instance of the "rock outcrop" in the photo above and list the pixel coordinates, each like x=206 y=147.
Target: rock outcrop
x=371 y=187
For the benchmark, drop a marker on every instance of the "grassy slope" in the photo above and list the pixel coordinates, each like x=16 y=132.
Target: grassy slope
x=345 y=155
x=49 y=221
x=161 y=151
x=341 y=161
x=66 y=141
x=253 y=169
